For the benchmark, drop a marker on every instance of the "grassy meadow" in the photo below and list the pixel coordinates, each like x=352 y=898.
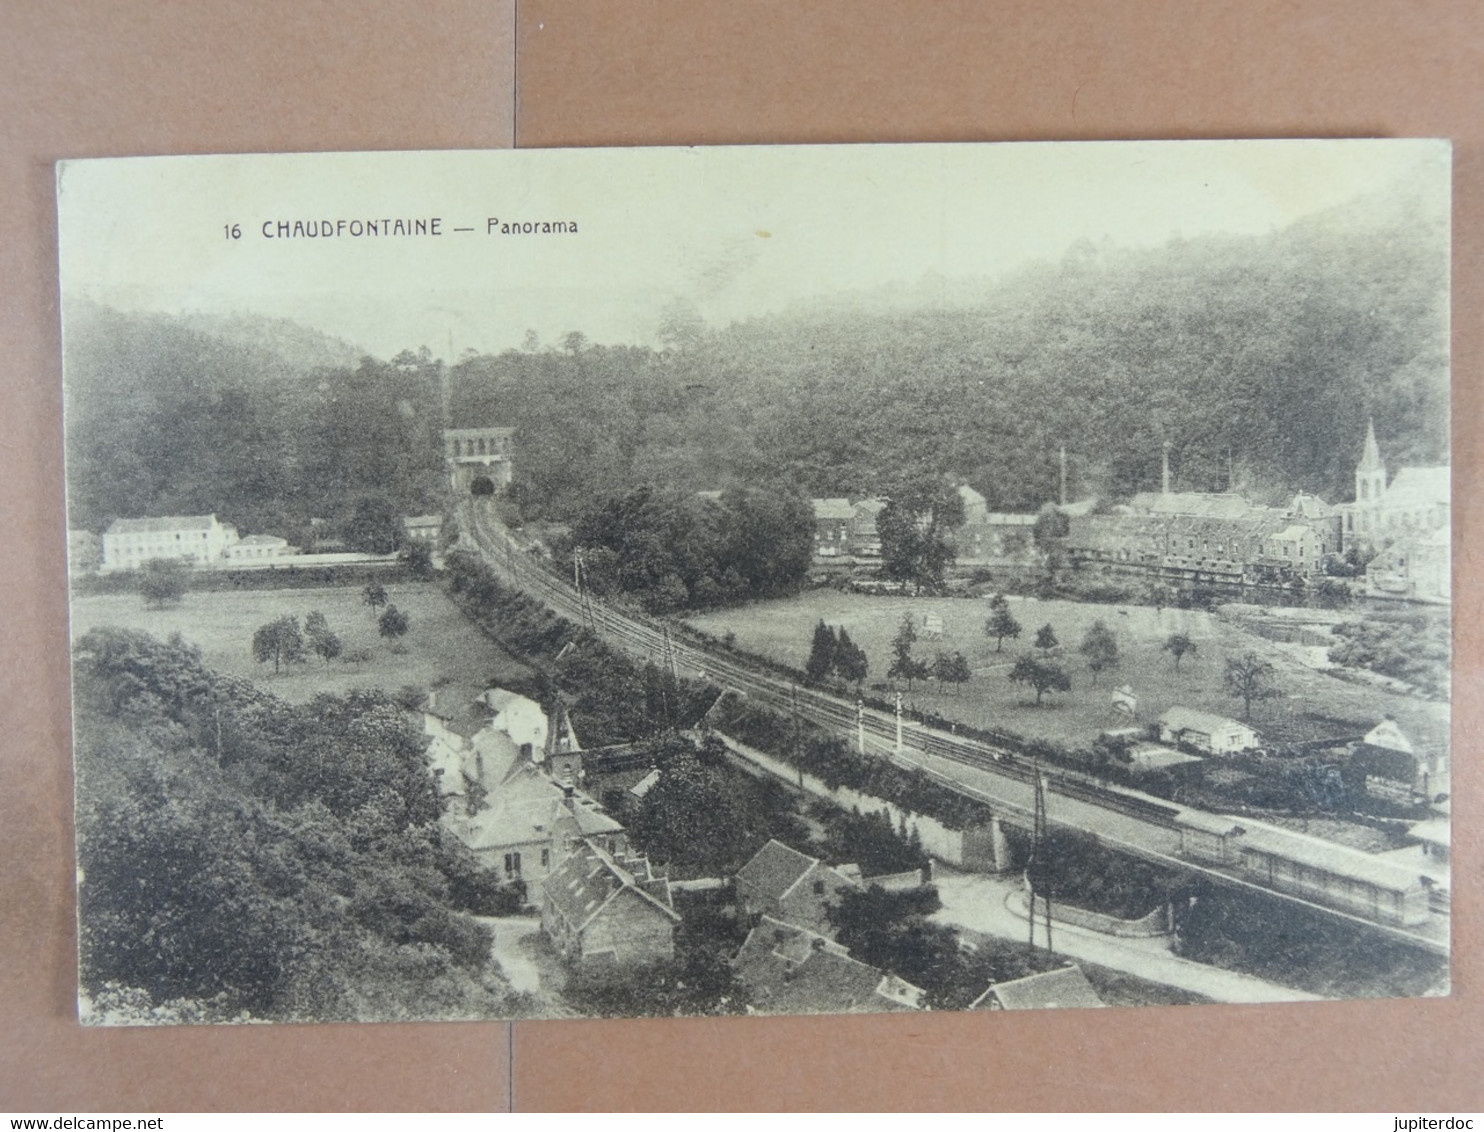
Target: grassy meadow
x=781 y=630
x=441 y=647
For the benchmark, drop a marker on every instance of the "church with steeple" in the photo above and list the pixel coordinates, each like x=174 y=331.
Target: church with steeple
x=1403 y=524
x=1414 y=503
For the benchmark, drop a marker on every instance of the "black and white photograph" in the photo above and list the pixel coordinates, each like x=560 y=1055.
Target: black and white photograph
x=758 y=580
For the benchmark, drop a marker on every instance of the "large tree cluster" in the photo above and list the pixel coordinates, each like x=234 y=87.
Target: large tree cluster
x=242 y=857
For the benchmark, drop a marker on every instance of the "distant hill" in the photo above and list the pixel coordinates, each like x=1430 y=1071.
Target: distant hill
x=1259 y=358
x=296 y=344
x=262 y=421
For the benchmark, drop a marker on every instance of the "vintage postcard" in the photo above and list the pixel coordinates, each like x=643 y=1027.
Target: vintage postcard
x=819 y=579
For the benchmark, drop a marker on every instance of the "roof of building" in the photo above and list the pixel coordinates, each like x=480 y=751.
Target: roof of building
x=868 y=507
x=789 y=969
x=1207 y=723
x=161 y=525
x=1330 y=857
x=645 y=784
x=1388 y=735
x=970 y=497
x=499 y=699
x=1420 y=487
x=1294 y=532
x=1008 y=519
x=1211 y=505
x=1434 y=831
x=1062 y=989
x=1308 y=506
x=589 y=817
x=833 y=509
x=590 y=880
x=776 y=868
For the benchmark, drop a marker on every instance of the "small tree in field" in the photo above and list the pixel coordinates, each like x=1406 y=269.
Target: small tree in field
x=393 y=623
x=952 y=668
x=904 y=666
x=322 y=639
x=1179 y=645
x=1100 y=647
x=822 y=652
x=374 y=595
x=1046 y=638
x=1248 y=677
x=279 y=641
x=1001 y=623
x=1041 y=675
x=164 y=581
x=851 y=664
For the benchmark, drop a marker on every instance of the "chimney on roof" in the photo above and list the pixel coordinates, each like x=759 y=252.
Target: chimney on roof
x=1063 y=475
x=1164 y=480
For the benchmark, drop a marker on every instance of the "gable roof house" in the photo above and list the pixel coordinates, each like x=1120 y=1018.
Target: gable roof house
x=1065 y=988
x=1204 y=731
x=791 y=970
x=791 y=886
x=606 y=910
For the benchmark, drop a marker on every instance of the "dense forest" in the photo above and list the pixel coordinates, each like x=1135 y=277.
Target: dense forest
x=242 y=858
x=1258 y=358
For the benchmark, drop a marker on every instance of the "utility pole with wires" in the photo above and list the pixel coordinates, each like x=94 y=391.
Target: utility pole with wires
x=584 y=597
x=1038 y=871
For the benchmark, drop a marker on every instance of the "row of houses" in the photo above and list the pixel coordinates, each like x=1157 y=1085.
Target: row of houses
x=1401 y=524
x=845 y=531
x=205 y=542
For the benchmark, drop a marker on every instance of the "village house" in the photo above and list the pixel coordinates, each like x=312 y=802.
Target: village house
x=865 y=540
x=1212 y=734
x=1395 y=770
x=521 y=718
x=423 y=528
x=833 y=519
x=791 y=886
x=788 y=969
x=511 y=815
x=200 y=540
x=1414 y=567
x=1062 y=989
x=608 y=910
x=258 y=550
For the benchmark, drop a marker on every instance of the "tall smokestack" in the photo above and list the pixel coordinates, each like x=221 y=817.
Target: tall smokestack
x=1164 y=481
x=1063 y=475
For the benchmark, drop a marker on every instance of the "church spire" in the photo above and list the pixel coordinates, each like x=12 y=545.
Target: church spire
x=1370 y=457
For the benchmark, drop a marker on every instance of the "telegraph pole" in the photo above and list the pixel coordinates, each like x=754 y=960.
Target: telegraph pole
x=860 y=726
x=900 y=748
x=1039 y=870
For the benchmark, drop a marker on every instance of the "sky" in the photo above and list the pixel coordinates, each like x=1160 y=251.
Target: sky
x=736 y=231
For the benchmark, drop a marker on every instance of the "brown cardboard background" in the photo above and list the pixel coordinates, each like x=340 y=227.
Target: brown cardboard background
x=90 y=77
x=84 y=78
x=645 y=72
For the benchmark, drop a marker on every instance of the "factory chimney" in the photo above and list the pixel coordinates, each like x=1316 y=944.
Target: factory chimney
x=1063 y=475
x=1164 y=483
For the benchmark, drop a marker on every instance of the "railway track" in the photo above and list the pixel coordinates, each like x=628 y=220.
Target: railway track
x=1147 y=825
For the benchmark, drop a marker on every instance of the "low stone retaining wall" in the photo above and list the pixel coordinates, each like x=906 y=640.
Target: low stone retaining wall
x=1151 y=926
x=979 y=850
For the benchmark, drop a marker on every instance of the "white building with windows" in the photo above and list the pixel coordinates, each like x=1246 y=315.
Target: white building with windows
x=201 y=540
